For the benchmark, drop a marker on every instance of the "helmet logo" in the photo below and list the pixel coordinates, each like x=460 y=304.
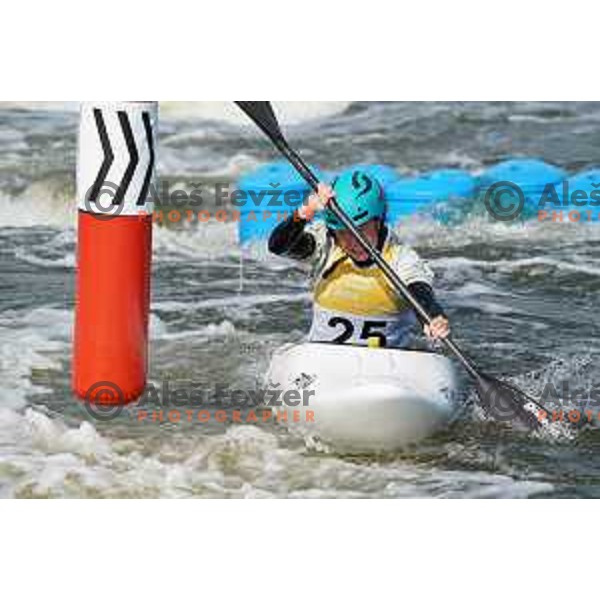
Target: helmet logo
x=361 y=182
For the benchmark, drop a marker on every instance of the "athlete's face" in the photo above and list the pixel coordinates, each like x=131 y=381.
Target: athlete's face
x=349 y=244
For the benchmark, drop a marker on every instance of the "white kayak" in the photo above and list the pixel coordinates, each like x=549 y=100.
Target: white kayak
x=365 y=399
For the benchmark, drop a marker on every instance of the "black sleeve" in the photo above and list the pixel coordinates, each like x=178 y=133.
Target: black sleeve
x=289 y=239
x=424 y=294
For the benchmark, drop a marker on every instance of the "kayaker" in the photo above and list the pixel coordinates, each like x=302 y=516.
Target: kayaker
x=353 y=302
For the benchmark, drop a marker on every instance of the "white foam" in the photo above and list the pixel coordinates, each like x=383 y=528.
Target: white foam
x=243 y=301
x=41 y=106
x=288 y=112
x=30 y=340
x=43 y=456
x=212 y=330
x=207 y=241
x=473 y=289
x=36 y=207
x=511 y=265
x=428 y=233
x=68 y=260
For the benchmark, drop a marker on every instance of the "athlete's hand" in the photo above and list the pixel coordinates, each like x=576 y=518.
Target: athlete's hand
x=438 y=329
x=316 y=202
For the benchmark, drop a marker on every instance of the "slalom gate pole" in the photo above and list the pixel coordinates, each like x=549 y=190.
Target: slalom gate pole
x=115 y=175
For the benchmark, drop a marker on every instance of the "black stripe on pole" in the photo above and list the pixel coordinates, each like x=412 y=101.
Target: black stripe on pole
x=133 y=155
x=108 y=157
x=147 y=178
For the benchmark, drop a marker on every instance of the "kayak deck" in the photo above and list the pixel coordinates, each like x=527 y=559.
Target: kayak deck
x=366 y=399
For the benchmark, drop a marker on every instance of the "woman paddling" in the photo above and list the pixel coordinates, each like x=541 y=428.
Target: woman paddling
x=353 y=302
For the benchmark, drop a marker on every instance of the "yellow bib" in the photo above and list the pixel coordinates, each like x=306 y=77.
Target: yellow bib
x=345 y=287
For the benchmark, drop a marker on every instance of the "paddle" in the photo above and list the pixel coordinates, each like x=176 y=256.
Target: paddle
x=499 y=399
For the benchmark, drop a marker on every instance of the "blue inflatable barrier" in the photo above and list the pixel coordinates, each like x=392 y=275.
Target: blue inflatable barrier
x=531 y=175
x=411 y=196
x=447 y=195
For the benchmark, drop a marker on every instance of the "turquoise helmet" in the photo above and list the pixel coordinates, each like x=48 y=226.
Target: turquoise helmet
x=359 y=195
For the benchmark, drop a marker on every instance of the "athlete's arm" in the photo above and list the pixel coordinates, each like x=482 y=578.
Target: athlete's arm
x=423 y=292
x=290 y=239
x=418 y=277
x=439 y=327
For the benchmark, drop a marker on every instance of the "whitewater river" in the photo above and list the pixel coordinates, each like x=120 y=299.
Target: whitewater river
x=522 y=300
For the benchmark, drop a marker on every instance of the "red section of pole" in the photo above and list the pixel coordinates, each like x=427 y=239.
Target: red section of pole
x=115 y=172
x=112 y=306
